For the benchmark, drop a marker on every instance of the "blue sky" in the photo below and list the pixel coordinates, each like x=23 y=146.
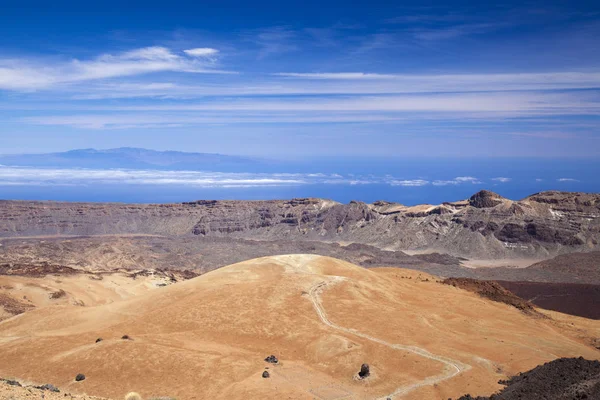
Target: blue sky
x=293 y=80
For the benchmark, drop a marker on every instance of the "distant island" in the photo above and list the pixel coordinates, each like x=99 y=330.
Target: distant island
x=135 y=158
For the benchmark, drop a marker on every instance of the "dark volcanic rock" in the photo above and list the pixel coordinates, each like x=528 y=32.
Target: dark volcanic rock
x=485 y=199
x=272 y=359
x=12 y=382
x=265 y=374
x=437 y=258
x=490 y=228
x=493 y=291
x=561 y=379
x=364 y=371
x=516 y=233
x=545 y=233
x=36 y=269
x=48 y=387
x=98 y=340
x=80 y=377
x=568 y=298
x=513 y=233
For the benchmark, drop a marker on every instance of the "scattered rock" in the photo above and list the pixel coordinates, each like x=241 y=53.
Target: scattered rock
x=364 y=371
x=58 y=294
x=12 y=382
x=266 y=374
x=80 y=377
x=48 y=387
x=272 y=359
x=126 y=337
x=98 y=340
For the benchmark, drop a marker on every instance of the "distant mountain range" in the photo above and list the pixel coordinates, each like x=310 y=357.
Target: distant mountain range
x=485 y=226
x=134 y=158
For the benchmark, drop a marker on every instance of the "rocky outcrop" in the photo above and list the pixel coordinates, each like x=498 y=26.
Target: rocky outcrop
x=541 y=232
x=485 y=199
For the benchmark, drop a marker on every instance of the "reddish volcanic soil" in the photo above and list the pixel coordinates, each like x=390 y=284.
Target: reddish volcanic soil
x=570 y=298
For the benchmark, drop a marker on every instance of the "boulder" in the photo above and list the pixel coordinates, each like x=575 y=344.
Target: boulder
x=272 y=359
x=364 y=371
x=48 y=387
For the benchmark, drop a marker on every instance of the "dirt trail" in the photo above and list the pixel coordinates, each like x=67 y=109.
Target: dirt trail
x=452 y=367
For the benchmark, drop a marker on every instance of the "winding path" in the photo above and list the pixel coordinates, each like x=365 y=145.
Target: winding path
x=452 y=367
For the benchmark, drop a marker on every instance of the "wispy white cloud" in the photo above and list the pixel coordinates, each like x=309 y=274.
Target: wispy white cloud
x=453 y=31
x=567 y=180
x=17 y=74
x=163 y=120
x=273 y=41
x=513 y=103
x=467 y=179
x=425 y=18
x=457 y=181
x=351 y=83
x=502 y=179
x=465 y=82
x=202 y=52
x=11 y=175
x=336 y=75
x=57 y=176
x=445 y=183
x=319 y=109
x=414 y=182
x=545 y=135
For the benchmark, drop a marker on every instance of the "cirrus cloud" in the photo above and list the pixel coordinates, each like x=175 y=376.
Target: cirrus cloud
x=27 y=75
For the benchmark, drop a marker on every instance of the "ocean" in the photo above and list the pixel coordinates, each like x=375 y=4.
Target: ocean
x=407 y=181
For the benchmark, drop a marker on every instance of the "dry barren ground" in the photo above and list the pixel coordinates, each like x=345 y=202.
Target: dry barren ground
x=207 y=337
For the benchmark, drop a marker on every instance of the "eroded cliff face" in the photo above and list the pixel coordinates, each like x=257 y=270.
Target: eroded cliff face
x=484 y=226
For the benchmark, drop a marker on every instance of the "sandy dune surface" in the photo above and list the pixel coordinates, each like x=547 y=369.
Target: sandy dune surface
x=21 y=293
x=207 y=337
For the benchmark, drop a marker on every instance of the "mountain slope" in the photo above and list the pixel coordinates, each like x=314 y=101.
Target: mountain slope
x=323 y=318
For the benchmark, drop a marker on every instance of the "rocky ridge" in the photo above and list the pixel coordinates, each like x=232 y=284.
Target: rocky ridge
x=483 y=226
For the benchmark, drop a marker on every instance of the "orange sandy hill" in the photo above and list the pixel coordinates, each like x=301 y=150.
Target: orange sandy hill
x=207 y=338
